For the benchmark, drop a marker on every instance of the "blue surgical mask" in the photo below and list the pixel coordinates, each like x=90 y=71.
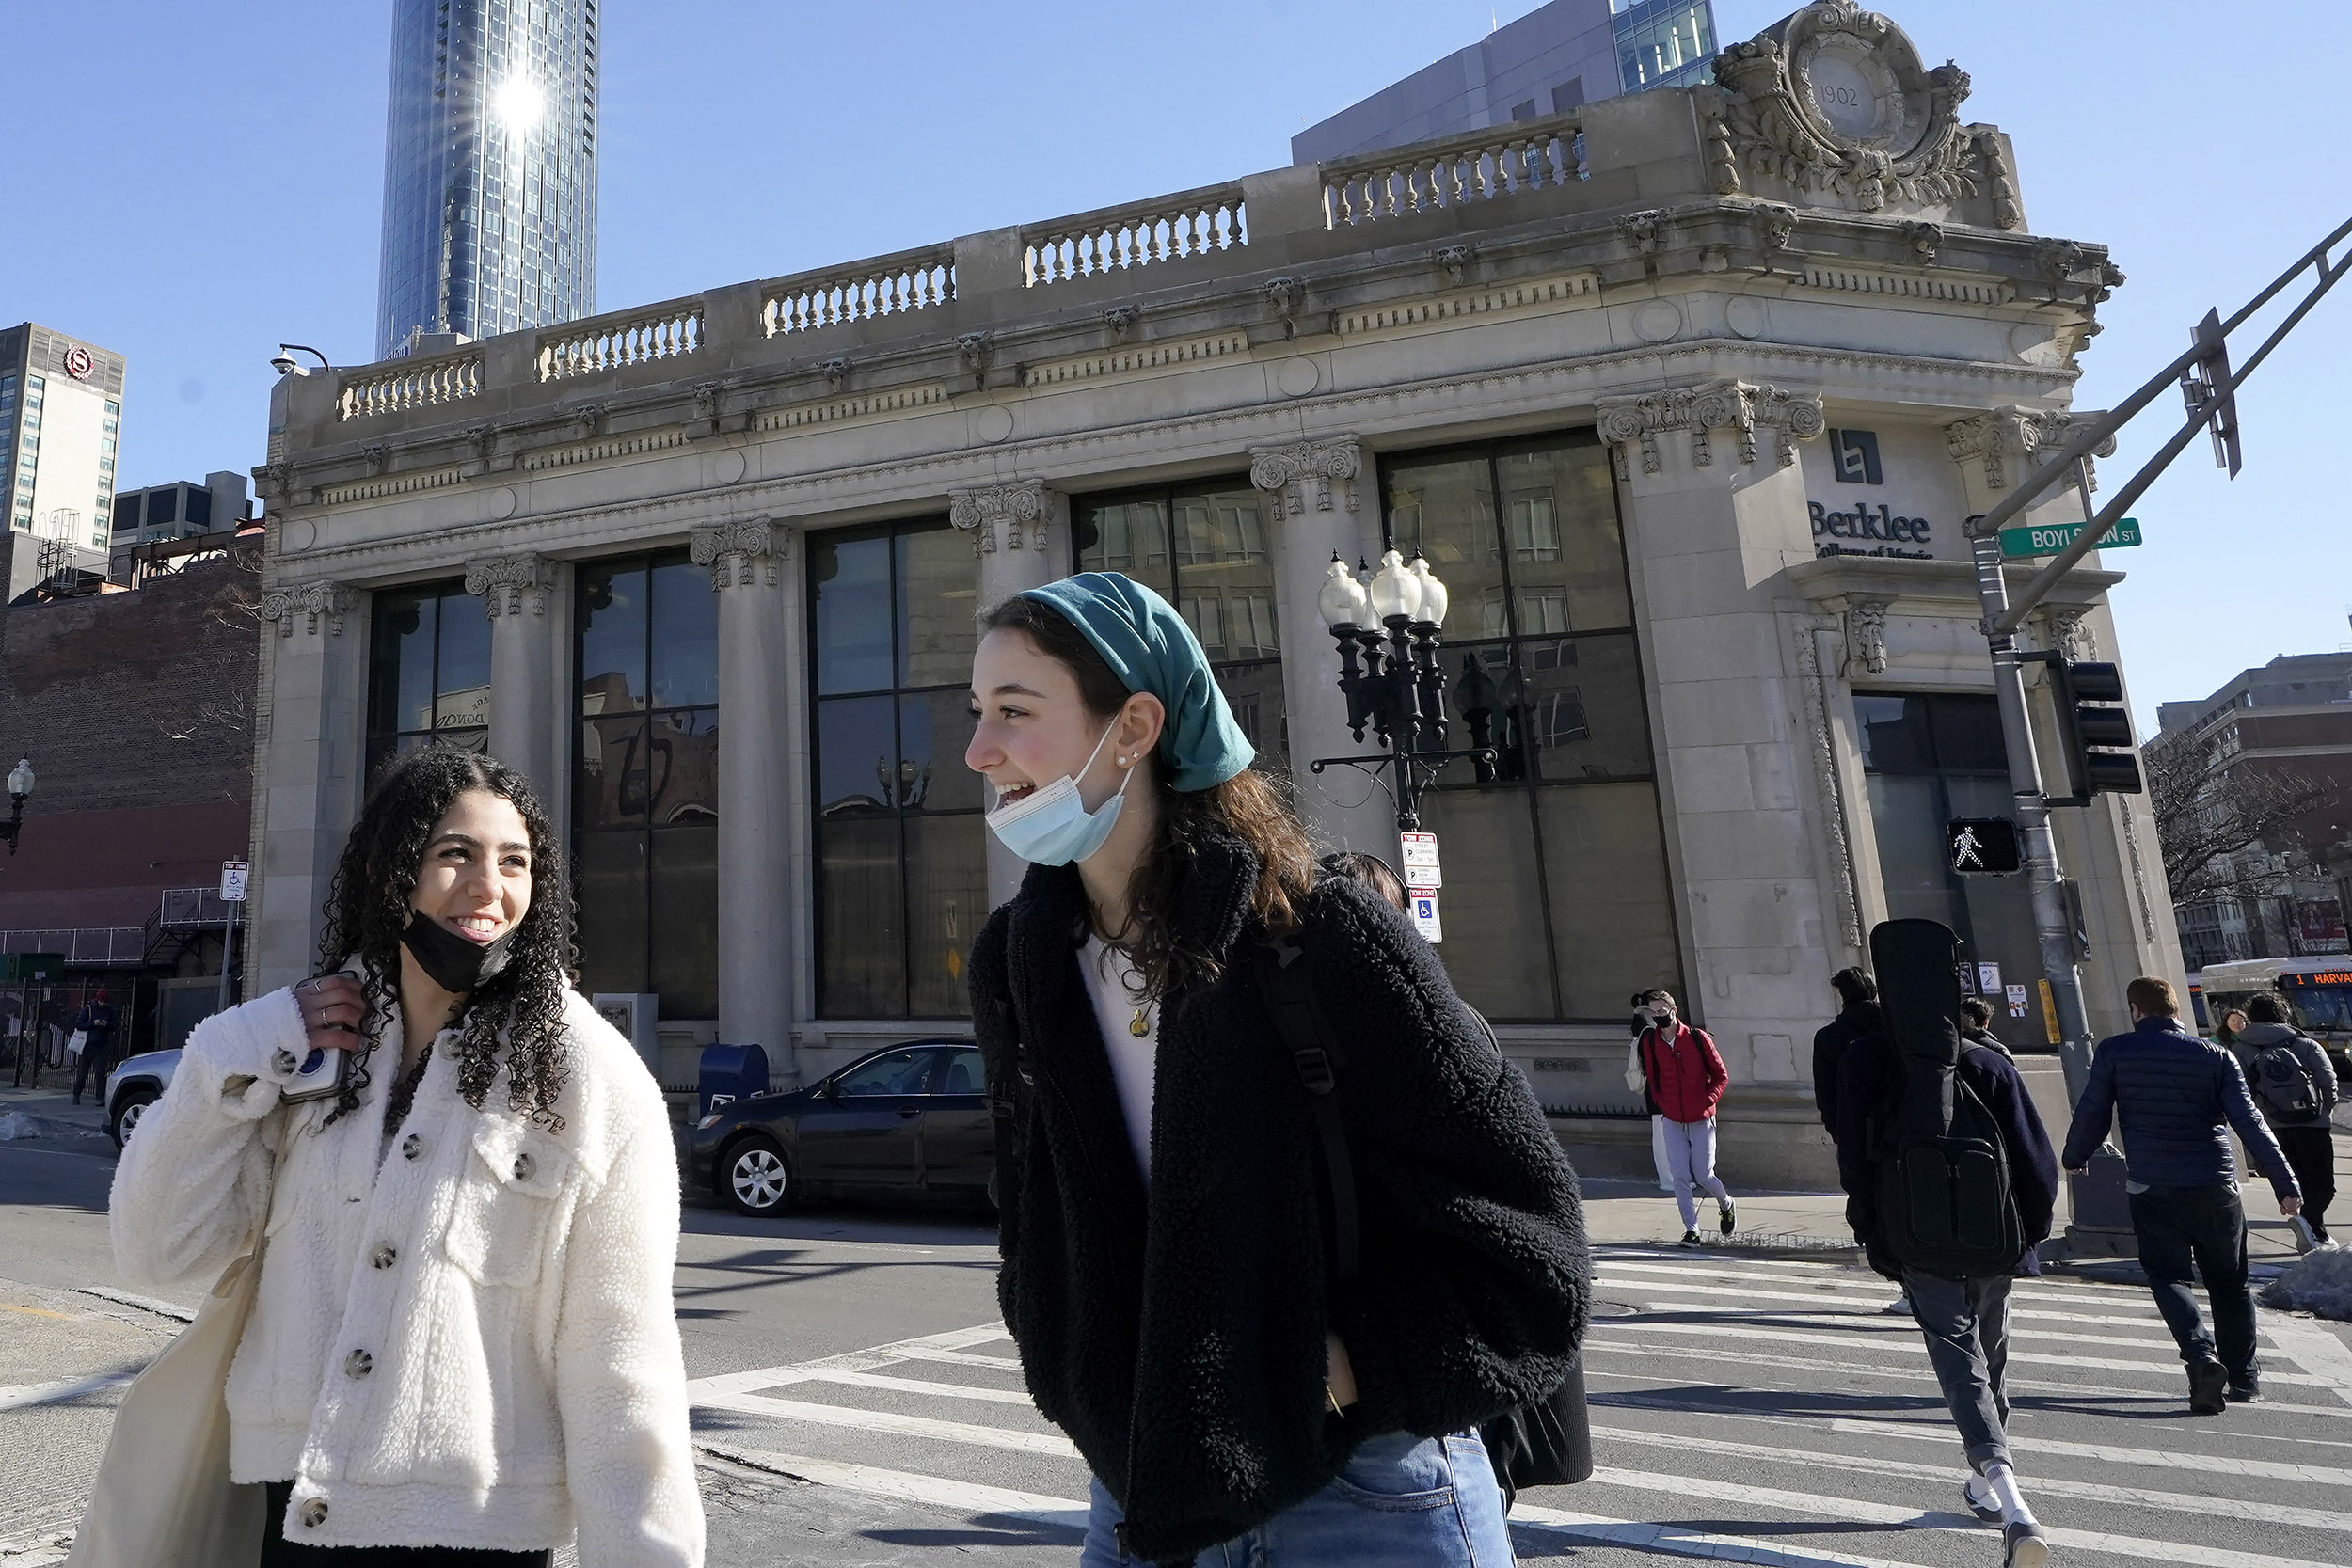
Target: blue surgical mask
x=1051 y=826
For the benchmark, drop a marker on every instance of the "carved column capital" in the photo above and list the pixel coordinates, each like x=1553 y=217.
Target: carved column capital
x=2007 y=440
x=740 y=554
x=2064 y=632
x=1002 y=510
x=507 y=584
x=1322 y=468
x=1741 y=407
x=315 y=602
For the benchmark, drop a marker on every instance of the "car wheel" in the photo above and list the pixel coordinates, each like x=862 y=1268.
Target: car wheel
x=128 y=1111
x=755 y=1178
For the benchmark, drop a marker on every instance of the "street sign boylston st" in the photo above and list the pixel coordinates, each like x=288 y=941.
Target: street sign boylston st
x=2031 y=539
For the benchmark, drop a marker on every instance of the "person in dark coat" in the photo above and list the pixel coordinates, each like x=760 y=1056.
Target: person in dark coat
x=1975 y=1026
x=1167 y=1269
x=97 y=1022
x=1966 y=1322
x=1857 y=1016
x=2304 y=1134
x=2173 y=1094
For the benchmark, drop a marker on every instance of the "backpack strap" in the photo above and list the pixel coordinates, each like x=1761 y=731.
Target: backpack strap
x=1314 y=1052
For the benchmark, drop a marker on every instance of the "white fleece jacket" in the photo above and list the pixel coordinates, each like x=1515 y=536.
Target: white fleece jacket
x=473 y=1345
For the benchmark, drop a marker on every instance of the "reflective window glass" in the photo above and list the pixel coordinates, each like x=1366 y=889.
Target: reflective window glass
x=428 y=667
x=1540 y=662
x=611 y=637
x=898 y=1072
x=902 y=868
x=684 y=647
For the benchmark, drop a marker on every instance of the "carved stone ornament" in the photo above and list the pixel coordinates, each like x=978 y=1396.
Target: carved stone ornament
x=481 y=442
x=837 y=373
x=2000 y=180
x=377 y=456
x=1835 y=102
x=509 y=583
x=1000 y=509
x=313 y=601
x=1741 y=407
x=1454 y=261
x=1285 y=294
x=1319 y=465
x=738 y=554
x=588 y=419
x=1122 y=320
x=2005 y=439
x=978 y=350
x=1866 y=634
x=2063 y=626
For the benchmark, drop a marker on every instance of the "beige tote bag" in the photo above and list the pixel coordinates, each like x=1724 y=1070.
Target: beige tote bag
x=163 y=1498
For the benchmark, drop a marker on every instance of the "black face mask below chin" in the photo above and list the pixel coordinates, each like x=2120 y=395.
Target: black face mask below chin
x=451 y=961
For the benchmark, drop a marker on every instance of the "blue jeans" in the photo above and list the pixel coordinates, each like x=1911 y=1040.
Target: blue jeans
x=1401 y=1502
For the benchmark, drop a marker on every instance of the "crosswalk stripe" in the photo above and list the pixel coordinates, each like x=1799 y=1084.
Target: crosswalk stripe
x=2176 y=1502
x=2035 y=1287
x=2314 y=1350
x=959 y=1359
x=1788 y=1336
x=898 y=1425
x=701 y=1390
x=1892 y=1330
x=962 y=1497
x=1876 y=1304
x=1678 y=1541
x=2317 y=1475
x=971 y=1499
x=1911 y=1519
x=24 y=1396
x=917 y=1386
x=1898 y=1374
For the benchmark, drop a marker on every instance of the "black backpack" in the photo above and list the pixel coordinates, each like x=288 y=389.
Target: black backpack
x=2282 y=1084
x=1943 y=1198
x=1548 y=1443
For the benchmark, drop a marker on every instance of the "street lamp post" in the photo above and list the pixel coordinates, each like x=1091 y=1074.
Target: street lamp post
x=20 y=789
x=1387 y=632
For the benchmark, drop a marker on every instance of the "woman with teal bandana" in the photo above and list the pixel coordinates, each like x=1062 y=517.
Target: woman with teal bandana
x=1246 y=1386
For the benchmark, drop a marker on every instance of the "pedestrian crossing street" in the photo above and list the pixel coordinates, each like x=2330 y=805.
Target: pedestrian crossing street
x=1744 y=1409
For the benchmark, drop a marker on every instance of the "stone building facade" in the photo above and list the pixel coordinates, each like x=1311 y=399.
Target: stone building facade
x=1686 y=395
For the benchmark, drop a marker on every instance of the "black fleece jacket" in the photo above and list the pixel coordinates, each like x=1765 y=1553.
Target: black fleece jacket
x=1177 y=1335
x=1828 y=1047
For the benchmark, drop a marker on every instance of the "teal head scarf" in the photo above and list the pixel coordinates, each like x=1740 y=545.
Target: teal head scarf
x=1149 y=648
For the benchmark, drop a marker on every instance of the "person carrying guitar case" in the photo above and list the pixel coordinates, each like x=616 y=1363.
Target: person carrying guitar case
x=1950 y=1183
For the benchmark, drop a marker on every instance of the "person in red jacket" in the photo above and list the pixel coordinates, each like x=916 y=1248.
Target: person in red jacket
x=1684 y=1076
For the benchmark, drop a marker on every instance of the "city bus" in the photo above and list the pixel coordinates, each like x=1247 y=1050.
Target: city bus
x=2319 y=989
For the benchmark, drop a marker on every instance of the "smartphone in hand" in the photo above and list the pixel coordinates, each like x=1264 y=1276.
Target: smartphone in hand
x=322 y=1071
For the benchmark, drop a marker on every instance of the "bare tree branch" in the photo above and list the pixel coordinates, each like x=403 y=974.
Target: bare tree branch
x=2207 y=816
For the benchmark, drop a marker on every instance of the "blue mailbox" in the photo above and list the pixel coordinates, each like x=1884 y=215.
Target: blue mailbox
x=730 y=1072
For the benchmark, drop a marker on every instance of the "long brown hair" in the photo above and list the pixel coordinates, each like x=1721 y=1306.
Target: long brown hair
x=1253 y=807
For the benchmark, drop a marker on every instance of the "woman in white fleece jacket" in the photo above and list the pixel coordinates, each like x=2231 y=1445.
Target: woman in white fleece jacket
x=463 y=1348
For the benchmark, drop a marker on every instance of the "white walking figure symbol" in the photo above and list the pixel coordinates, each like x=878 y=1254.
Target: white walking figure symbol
x=1965 y=849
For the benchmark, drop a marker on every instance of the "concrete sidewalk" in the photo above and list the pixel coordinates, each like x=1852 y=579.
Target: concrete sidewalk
x=49 y=1112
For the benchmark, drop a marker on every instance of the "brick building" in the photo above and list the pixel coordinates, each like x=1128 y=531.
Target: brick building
x=134 y=703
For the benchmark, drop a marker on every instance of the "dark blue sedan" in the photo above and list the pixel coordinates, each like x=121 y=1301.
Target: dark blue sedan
x=909 y=1122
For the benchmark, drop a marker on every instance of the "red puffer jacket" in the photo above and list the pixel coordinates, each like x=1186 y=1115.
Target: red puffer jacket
x=1685 y=1073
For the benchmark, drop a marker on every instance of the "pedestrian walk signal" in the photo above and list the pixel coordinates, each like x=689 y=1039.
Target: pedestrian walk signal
x=1982 y=845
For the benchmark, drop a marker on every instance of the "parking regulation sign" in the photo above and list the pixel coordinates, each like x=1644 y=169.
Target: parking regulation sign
x=233 y=876
x=1423 y=905
x=1419 y=857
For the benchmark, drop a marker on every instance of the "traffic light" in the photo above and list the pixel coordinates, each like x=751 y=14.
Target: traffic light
x=2094 y=730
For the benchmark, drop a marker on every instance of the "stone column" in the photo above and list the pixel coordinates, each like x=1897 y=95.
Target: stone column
x=1020 y=532
x=524 y=695
x=758 y=929
x=1313 y=492
x=309 y=780
x=1715 y=507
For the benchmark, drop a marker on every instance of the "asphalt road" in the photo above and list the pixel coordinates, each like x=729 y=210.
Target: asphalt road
x=858 y=1405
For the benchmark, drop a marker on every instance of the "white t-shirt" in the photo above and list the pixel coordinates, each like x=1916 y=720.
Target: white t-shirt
x=1118 y=993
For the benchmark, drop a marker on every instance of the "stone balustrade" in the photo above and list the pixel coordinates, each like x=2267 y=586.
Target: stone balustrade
x=407 y=383
x=885 y=286
x=1482 y=165
x=607 y=342
x=1166 y=228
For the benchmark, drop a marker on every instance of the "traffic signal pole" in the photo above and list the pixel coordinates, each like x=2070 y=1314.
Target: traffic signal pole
x=2205 y=376
x=2052 y=924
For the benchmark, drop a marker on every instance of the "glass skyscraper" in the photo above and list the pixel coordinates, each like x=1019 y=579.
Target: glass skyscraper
x=490 y=168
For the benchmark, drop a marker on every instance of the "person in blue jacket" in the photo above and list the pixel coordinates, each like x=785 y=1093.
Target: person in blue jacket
x=2176 y=1097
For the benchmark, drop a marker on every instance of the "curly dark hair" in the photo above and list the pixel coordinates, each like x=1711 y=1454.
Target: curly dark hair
x=367 y=906
x=1253 y=807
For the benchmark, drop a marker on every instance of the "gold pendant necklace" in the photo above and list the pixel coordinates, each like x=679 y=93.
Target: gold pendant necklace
x=1137 y=1027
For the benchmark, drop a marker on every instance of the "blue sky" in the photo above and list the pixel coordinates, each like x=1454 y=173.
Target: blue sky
x=191 y=183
